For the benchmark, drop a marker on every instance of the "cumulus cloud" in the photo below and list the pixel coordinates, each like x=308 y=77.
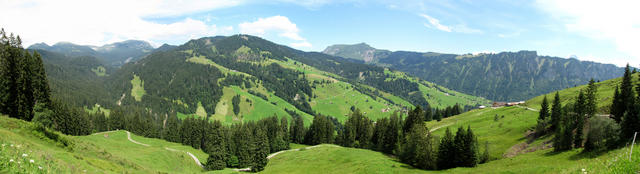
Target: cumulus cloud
x=279 y=25
x=616 y=21
x=100 y=22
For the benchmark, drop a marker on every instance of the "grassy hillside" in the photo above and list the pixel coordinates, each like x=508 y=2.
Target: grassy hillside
x=508 y=130
x=335 y=159
x=604 y=96
x=98 y=153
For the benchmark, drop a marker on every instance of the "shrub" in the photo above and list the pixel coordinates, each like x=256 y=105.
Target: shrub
x=601 y=134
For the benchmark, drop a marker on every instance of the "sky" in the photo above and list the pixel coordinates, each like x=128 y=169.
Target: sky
x=600 y=31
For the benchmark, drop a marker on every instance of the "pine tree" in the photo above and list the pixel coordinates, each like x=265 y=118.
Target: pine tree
x=260 y=151
x=460 y=146
x=626 y=95
x=590 y=107
x=556 y=112
x=415 y=116
x=392 y=134
x=446 y=151
x=544 y=111
x=425 y=154
x=617 y=106
x=215 y=146
x=630 y=123
x=580 y=111
x=470 y=149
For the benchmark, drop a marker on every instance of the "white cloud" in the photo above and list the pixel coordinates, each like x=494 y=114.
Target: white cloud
x=435 y=23
x=460 y=28
x=100 y=22
x=614 y=21
x=279 y=25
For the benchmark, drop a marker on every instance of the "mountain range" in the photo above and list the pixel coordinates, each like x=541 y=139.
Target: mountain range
x=505 y=76
x=114 y=54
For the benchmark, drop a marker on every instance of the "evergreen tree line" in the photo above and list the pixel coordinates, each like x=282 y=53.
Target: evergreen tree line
x=577 y=125
x=409 y=139
x=23 y=81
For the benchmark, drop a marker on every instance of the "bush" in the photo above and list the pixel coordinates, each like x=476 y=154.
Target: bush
x=601 y=134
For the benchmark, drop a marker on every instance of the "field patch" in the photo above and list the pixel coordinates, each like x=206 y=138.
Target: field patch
x=137 y=90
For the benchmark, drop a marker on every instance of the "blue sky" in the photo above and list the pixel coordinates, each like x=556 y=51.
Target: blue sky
x=607 y=32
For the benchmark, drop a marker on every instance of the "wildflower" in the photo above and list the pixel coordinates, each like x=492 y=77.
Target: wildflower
x=11 y=160
x=11 y=145
x=3 y=145
x=583 y=170
x=31 y=161
x=40 y=167
x=24 y=155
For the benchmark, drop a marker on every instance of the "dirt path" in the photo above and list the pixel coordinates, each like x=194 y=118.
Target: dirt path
x=133 y=141
x=434 y=129
x=195 y=159
x=531 y=109
x=279 y=152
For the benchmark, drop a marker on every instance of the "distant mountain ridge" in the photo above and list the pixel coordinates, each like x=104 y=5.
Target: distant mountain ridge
x=360 y=51
x=114 y=54
x=505 y=76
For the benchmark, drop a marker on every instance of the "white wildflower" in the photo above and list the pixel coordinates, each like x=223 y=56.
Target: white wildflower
x=11 y=145
x=3 y=145
x=19 y=162
x=31 y=161
x=40 y=167
x=583 y=170
x=11 y=160
x=24 y=155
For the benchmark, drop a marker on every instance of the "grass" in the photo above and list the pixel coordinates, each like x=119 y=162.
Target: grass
x=502 y=134
x=330 y=159
x=96 y=109
x=89 y=154
x=604 y=96
x=137 y=90
x=100 y=71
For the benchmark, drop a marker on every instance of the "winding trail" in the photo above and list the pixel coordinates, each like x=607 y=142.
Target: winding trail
x=434 y=129
x=195 y=159
x=133 y=141
x=279 y=152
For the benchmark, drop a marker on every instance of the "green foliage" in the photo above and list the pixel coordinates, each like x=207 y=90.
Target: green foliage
x=260 y=151
x=601 y=134
x=236 y=104
x=417 y=148
x=321 y=131
x=22 y=78
x=446 y=151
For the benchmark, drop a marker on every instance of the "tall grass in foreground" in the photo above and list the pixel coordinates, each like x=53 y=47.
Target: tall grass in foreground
x=16 y=158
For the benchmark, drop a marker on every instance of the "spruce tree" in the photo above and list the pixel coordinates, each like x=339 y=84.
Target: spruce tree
x=590 y=107
x=470 y=149
x=392 y=134
x=630 y=123
x=446 y=151
x=627 y=96
x=415 y=116
x=260 y=151
x=580 y=111
x=617 y=107
x=460 y=142
x=556 y=112
x=544 y=111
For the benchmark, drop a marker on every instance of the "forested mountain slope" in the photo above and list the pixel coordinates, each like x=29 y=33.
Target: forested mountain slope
x=505 y=76
x=243 y=77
